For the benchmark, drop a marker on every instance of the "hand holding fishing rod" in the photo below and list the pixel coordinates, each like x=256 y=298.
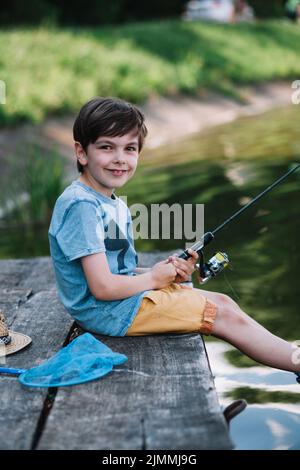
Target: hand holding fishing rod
x=220 y=260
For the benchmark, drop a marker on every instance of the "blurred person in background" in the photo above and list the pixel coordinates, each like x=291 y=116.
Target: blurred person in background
x=242 y=11
x=293 y=10
x=221 y=11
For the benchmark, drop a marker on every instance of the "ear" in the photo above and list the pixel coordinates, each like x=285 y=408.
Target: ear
x=80 y=153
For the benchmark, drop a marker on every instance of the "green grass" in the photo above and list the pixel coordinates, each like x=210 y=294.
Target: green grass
x=53 y=70
x=40 y=181
x=256 y=395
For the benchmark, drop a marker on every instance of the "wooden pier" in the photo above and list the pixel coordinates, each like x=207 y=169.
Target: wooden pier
x=162 y=397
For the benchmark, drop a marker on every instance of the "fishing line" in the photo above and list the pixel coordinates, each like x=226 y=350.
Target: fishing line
x=220 y=260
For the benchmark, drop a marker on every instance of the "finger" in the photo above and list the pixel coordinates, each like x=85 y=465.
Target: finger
x=184 y=269
x=182 y=273
x=190 y=271
x=187 y=267
x=185 y=274
x=185 y=287
x=193 y=253
x=192 y=262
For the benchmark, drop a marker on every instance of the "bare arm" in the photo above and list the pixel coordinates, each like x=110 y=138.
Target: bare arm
x=107 y=286
x=142 y=270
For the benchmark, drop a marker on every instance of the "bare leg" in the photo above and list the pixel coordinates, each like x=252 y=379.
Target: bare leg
x=237 y=328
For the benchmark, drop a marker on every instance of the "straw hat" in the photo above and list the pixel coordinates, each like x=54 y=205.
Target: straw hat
x=10 y=341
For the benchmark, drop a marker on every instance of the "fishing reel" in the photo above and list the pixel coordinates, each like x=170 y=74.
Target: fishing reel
x=212 y=267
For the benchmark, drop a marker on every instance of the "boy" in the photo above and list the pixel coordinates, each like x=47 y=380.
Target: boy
x=91 y=243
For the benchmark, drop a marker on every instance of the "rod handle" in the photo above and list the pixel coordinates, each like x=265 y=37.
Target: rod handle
x=198 y=246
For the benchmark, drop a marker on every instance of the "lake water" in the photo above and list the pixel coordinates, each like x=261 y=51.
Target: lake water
x=223 y=168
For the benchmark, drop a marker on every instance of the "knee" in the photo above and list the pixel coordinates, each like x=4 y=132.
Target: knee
x=226 y=301
x=229 y=311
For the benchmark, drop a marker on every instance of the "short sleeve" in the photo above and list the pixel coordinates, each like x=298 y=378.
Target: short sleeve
x=81 y=232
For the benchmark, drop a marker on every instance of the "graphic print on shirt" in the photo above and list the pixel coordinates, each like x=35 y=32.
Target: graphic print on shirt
x=117 y=242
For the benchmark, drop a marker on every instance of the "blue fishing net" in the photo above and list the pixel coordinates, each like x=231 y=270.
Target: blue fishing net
x=84 y=359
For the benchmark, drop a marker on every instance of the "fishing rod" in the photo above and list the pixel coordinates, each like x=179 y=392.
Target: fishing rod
x=220 y=260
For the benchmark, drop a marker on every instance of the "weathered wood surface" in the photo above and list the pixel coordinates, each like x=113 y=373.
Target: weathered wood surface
x=28 y=298
x=163 y=397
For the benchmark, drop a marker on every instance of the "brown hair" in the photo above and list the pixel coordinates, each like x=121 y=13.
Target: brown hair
x=110 y=117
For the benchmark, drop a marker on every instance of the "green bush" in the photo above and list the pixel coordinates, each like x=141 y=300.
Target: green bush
x=15 y=12
x=98 y=12
x=268 y=9
x=52 y=70
x=79 y=12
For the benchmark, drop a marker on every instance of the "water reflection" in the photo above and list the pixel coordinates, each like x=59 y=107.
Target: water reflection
x=266 y=428
x=23 y=241
x=272 y=417
x=263 y=244
x=222 y=169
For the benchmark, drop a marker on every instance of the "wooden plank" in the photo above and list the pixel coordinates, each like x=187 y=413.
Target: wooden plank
x=34 y=273
x=163 y=397
x=43 y=318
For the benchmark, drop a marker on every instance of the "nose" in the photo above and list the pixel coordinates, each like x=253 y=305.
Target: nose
x=119 y=157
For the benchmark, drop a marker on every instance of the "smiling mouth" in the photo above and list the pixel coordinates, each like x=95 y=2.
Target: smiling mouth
x=117 y=172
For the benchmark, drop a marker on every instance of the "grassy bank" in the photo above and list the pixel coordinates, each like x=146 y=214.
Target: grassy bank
x=54 y=70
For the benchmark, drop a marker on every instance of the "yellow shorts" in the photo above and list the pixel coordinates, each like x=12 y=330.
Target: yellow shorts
x=174 y=309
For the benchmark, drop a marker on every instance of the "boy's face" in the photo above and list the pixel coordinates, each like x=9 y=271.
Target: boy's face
x=109 y=162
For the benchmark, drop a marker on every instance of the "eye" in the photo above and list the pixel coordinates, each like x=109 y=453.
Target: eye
x=132 y=149
x=105 y=147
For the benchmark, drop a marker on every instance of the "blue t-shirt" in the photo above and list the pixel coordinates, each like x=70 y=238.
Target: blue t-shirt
x=84 y=222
